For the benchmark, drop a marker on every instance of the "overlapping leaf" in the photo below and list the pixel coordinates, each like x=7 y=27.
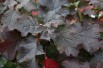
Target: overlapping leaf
x=27 y=4
x=52 y=4
x=68 y=38
x=97 y=60
x=9 y=43
x=52 y=20
x=2 y=8
x=28 y=49
x=73 y=63
x=97 y=3
x=24 y=24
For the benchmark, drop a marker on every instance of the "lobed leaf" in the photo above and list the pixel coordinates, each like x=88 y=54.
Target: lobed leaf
x=67 y=39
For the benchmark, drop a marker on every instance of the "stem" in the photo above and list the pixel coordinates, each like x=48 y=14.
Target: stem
x=45 y=52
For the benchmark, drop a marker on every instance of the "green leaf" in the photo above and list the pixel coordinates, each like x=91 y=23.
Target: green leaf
x=11 y=65
x=101 y=34
x=77 y=3
x=3 y=61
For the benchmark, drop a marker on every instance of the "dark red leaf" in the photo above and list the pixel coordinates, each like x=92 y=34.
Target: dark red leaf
x=8 y=43
x=2 y=1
